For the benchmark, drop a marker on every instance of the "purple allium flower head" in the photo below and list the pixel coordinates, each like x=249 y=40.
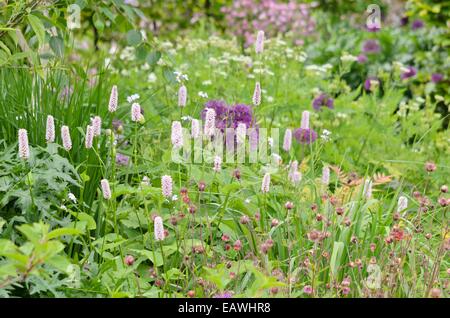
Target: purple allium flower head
x=362 y=58
x=404 y=21
x=222 y=112
x=305 y=136
x=373 y=28
x=411 y=72
x=417 y=24
x=122 y=160
x=322 y=101
x=241 y=113
x=371 y=46
x=437 y=77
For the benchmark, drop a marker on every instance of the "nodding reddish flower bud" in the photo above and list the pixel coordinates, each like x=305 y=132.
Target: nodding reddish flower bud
x=257 y=216
x=319 y=217
x=354 y=239
x=217 y=164
x=237 y=245
x=274 y=290
x=430 y=166
x=159 y=282
x=275 y=222
x=257 y=94
x=50 y=129
x=173 y=220
x=287 y=141
x=416 y=194
x=265 y=185
x=65 y=136
x=195 y=128
x=389 y=239
x=347 y=222
x=435 y=293
x=314 y=207
x=339 y=210
x=264 y=248
x=113 y=100
x=183 y=191
x=166 y=233
x=259 y=43
x=166 y=186
x=227 y=247
x=106 y=190
x=308 y=290
x=225 y=238
x=333 y=200
x=182 y=96
x=244 y=219
x=396 y=216
x=444 y=189
x=305 y=120
x=232 y=275
x=210 y=122
x=289 y=205
x=129 y=260
x=191 y=294
x=177 y=135
x=237 y=174
x=192 y=209
x=97 y=125
x=345 y=290
x=89 y=137
x=201 y=186
x=159 y=229
x=443 y=202
x=373 y=246
x=24 y=148
x=428 y=236
x=186 y=199
x=181 y=215
x=269 y=242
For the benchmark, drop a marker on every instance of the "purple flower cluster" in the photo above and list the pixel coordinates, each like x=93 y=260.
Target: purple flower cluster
x=122 y=160
x=417 y=24
x=410 y=72
x=437 y=77
x=305 y=135
x=245 y=17
x=229 y=116
x=322 y=101
x=368 y=82
x=371 y=46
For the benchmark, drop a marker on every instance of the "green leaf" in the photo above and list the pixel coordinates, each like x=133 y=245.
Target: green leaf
x=335 y=261
x=134 y=37
x=38 y=28
x=57 y=45
x=153 y=57
x=63 y=231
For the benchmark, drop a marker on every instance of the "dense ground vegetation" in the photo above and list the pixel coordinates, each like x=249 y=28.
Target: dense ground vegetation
x=349 y=197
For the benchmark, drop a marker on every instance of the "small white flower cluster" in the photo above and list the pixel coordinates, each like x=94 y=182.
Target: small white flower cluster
x=326 y=135
x=180 y=76
x=133 y=98
x=203 y=94
x=346 y=57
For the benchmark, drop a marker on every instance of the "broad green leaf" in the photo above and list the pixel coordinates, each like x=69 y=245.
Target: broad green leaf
x=134 y=37
x=335 y=260
x=38 y=28
x=63 y=231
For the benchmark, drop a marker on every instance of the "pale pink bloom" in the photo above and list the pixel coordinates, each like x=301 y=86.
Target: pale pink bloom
x=24 y=149
x=97 y=125
x=402 y=203
x=259 y=44
x=65 y=136
x=159 y=228
x=241 y=132
x=305 y=120
x=50 y=129
x=217 y=163
x=210 y=122
x=253 y=139
x=257 y=94
x=177 y=134
x=182 y=96
x=325 y=175
x=265 y=185
x=135 y=112
x=113 y=99
x=106 y=190
x=195 y=128
x=89 y=136
x=296 y=177
x=166 y=186
x=287 y=142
